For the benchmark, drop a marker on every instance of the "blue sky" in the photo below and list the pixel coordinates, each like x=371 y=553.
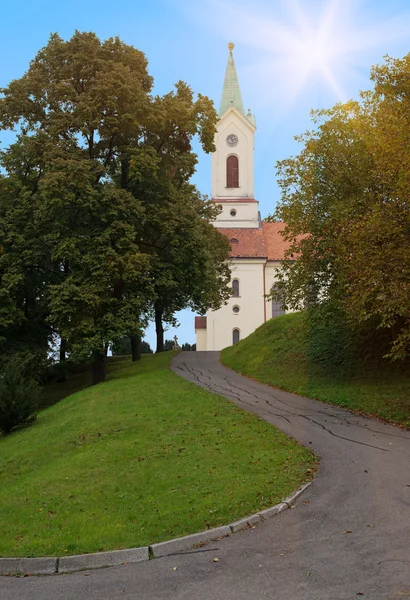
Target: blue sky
x=291 y=56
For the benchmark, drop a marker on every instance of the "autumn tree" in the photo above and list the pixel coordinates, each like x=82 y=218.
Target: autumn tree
x=346 y=208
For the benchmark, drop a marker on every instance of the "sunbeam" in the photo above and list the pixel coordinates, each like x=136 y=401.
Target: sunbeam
x=304 y=45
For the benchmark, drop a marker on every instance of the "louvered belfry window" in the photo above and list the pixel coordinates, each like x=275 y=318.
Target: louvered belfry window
x=232 y=172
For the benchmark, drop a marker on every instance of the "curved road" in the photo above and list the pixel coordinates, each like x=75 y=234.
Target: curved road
x=347 y=537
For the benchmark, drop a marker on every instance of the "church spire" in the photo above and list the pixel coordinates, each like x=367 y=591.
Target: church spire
x=231 y=94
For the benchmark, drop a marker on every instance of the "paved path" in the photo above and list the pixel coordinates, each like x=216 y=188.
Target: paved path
x=351 y=540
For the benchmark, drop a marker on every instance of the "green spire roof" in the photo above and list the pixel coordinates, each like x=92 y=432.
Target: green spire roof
x=231 y=94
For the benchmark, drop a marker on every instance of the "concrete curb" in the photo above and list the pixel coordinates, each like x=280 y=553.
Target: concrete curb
x=23 y=566
x=69 y=564
x=189 y=542
x=82 y=562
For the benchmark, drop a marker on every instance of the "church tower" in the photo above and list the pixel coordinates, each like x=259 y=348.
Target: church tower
x=232 y=162
x=256 y=247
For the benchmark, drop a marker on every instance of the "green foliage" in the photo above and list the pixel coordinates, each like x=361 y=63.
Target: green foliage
x=98 y=223
x=270 y=219
x=317 y=355
x=168 y=345
x=330 y=348
x=188 y=347
x=122 y=347
x=144 y=457
x=19 y=394
x=345 y=203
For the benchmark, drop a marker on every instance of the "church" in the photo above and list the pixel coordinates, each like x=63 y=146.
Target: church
x=256 y=247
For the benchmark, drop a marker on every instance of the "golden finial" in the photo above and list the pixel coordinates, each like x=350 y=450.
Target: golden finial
x=231 y=46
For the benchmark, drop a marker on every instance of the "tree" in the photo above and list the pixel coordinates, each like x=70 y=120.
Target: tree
x=168 y=345
x=19 y=393
x=123 y=347
x=189 y=256
x=80 y=102
x=103 y=167
x=25 y=269
x=345 y=203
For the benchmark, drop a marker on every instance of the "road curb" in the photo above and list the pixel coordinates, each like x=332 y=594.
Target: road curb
x=69 y=564
x=47 y=565
x=189 y=543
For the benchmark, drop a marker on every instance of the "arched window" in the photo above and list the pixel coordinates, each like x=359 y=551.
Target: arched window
x=277 y=305
x=235 y=336
x=235 y=288
x=232 y=172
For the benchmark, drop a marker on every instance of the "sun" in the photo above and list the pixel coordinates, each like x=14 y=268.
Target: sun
x=318 y=47
x=298 y=48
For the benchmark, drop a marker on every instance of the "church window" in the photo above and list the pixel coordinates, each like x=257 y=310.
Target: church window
x=277 y=305
x=235 y=288
x=233 y=213
x=235 y=336
x=232 y=172
x=235 y=310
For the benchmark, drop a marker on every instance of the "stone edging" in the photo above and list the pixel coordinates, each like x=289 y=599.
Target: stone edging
x=70 y=564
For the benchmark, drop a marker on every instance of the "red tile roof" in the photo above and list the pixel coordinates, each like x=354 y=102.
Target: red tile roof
x=200 y=322
x=265 y=242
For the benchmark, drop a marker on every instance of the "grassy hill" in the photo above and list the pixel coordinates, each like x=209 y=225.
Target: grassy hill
x=144 y=457
x=285 y=353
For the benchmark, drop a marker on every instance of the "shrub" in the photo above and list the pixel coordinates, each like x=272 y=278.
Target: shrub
x=18 y=395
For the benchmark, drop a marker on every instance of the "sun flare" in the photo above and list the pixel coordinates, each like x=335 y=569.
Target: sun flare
x=305 y=47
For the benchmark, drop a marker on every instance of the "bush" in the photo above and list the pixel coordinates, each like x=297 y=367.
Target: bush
x=18 y=395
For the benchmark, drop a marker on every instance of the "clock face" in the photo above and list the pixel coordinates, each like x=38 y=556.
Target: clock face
x=232 y=140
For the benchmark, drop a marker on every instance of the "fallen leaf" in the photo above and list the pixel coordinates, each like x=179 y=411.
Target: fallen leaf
x=175 y=569
x=347 y=531
x=216 y=559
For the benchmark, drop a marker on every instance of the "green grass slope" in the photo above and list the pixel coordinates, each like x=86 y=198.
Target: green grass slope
x=278 y=354
x=144 y=457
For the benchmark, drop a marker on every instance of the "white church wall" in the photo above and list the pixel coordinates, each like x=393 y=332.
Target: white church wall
x=221 y=323
x=200 y=340
x=233 y=123
x=246 y=215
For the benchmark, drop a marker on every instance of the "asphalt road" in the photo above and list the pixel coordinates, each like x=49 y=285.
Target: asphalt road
x=348 y=536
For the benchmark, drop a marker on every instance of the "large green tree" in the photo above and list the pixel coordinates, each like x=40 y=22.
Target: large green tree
x=98 y=175
x=79 y=102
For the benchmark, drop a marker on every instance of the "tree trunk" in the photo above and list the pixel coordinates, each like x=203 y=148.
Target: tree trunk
x=159 y=328
x=98 y=367
x=136 y=347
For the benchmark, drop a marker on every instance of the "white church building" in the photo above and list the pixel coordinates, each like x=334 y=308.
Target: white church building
x=256 y=247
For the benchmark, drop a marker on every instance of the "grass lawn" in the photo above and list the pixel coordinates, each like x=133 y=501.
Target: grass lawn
x=277 y=354
x=144 y=457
